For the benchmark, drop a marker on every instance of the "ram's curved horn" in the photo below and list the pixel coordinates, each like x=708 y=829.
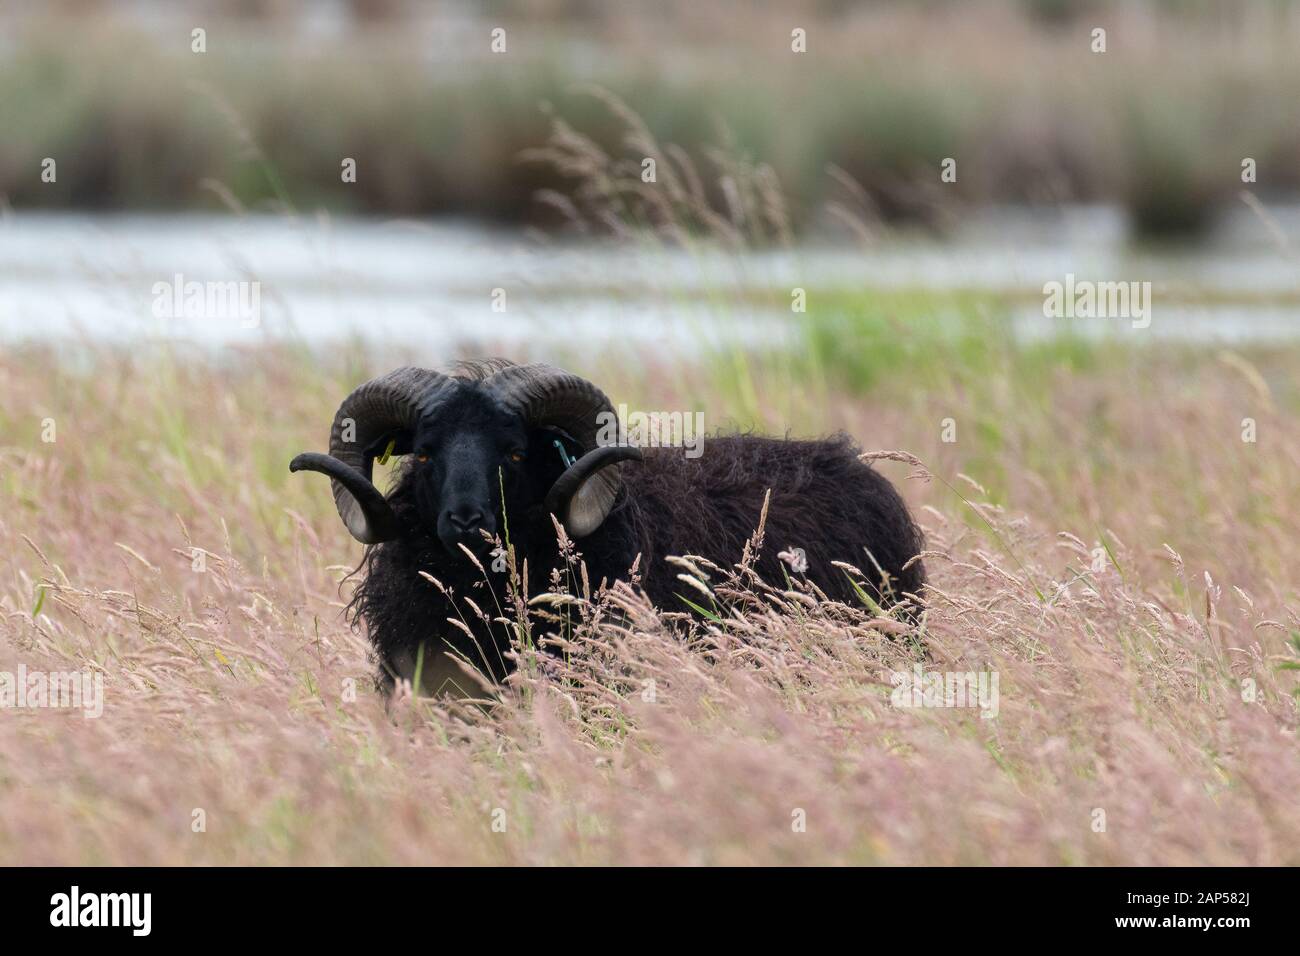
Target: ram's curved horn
x=583 y=496
x=388 y=405
x=545 y=395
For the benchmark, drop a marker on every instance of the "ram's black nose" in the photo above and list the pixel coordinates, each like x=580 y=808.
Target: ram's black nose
x=465 y=520
x=465 y=526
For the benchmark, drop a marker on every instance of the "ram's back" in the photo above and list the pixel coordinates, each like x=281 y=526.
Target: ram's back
x=824 y=500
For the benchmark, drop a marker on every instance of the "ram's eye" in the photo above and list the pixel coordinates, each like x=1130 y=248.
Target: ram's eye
x=516 y=456
x=421 y=458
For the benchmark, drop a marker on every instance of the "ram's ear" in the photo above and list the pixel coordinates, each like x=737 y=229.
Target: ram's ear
x=583 y=496
x=393 y=443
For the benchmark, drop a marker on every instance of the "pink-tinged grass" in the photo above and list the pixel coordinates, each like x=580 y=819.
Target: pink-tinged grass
x=227 y=690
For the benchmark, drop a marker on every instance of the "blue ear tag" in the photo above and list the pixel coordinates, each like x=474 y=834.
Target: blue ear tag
x=564 y=455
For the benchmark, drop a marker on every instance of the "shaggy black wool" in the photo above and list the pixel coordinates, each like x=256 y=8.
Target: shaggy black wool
x=824 y=500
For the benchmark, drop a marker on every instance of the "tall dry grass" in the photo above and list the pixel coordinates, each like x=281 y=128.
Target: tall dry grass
x=227 y=689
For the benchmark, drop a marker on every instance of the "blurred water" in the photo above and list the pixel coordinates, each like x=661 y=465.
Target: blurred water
x=447 y=287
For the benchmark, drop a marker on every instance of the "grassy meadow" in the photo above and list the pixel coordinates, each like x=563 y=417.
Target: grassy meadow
x=1112 y=522
x=1099 y=536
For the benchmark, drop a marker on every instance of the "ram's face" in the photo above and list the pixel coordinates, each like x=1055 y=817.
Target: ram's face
x=504 y=444
x=478 y=468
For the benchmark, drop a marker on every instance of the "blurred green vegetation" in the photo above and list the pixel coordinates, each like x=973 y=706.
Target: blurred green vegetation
x=863 y=341
x=1160 y=122
x=867 y=339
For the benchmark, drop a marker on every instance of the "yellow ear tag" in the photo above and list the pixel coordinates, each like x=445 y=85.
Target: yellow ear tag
x=383 y=459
